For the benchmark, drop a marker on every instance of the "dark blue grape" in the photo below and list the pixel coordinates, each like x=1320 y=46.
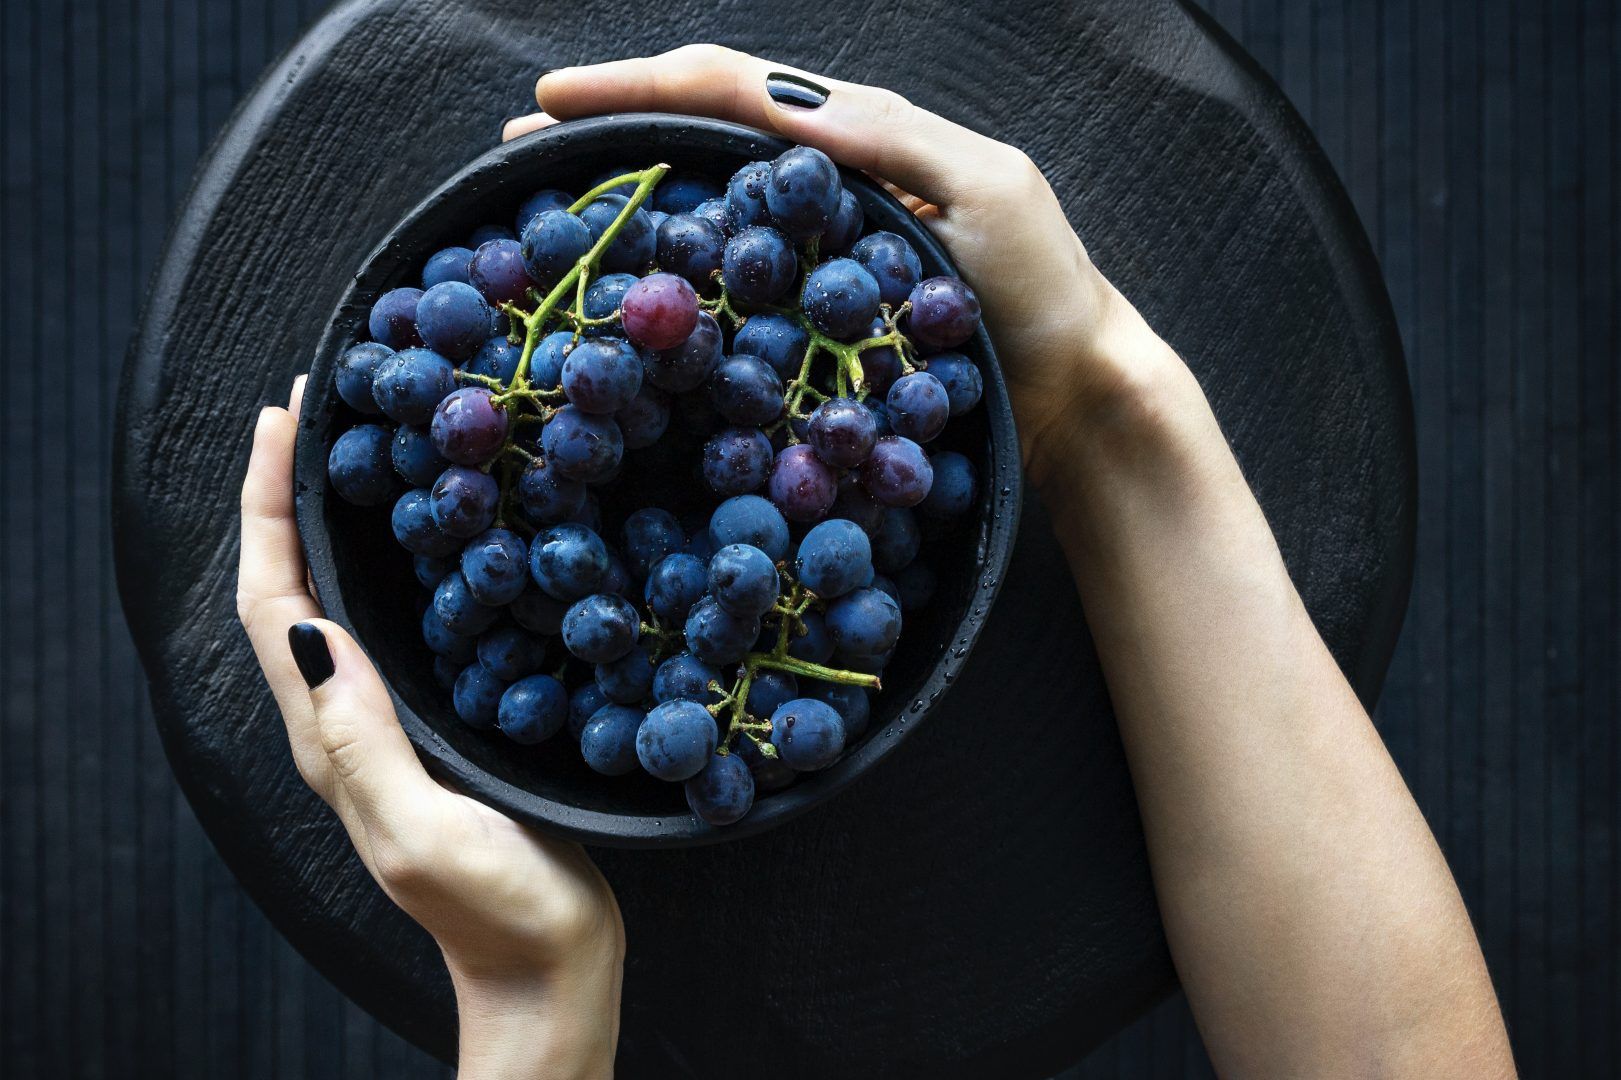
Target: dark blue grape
x=415 y=529
x=459 y=609
x=854 y=504
x=608 y=741
x=885 y=586
x=583 y=704
x=602 y=301
x=583 y=446
x=842 y=432
x=918 y=406
x=645 y=419
x=759 y=265
x=553 y=242
x=430 y=571
x=356 y=371
x=816 y=643
x=535 y=611
x=360 y=468
x=802 y=191
x=896 y=540
x=746 y=390
x=411 y=384
x=496 y=566
x=680 y=193
x=627 y=680
x=453 y=319
x=851 y=703
x=779 y=340
x=691 y=246
x=546 y=362
x=769 y=773
x=880 y=365
x=444 y=641
x=843 y=228
x=393 y=319
x=749 y=519
x=689 y=364
x=676 y=740
x=716 y=213
x=546 y=495
x=723 y=792
x=834 y=558
x=468 y=428
x=589 y=514
x=945 y=313
x=537 y=204
x=601 y=628
x=961 y=378
x=634 y=246
x=952 y=492
x=532 y=709
x=865 y=622
x=893 y=262
x=716 y=637
x=650 y=535
x=684 y=677
x=768 y=690
x=700 y=545
x=745 y=196
x=568 y=562
x=801 y=485
x=446 y=671
x=743 y=581
x=497 y=359
x=898 y=472
x=807 y=733
x=498 y=273
x=737 y=460
x=465 y=501
x=840 y=298
x=446 y=264
x=601 y=375
x=674 y=584
x=511 y=652
x=477 y=696
x=916 y=584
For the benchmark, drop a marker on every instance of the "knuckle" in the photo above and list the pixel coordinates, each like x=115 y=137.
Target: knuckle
x=704 y=54
x=890 y=106
x=404 y=863
x=1018 y=171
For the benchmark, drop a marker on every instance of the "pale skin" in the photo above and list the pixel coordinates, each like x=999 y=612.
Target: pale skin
x=1311 y=916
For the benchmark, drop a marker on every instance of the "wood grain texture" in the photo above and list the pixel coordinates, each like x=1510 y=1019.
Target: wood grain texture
x=106 y=875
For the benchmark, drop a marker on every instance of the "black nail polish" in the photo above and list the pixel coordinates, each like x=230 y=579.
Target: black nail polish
x=794 y=91
x=310 y=653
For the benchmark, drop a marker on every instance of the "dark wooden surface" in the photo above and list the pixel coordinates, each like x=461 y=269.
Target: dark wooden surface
x=1478 y=141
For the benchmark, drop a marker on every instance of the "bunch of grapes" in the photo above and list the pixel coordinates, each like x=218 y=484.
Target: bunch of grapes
x=747 y=329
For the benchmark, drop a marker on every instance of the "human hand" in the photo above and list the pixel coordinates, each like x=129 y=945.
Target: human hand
x=1068 y=342
x=528 y=926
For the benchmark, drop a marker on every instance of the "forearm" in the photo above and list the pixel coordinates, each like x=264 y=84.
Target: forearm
x=559 y=1028
x=1312 y=918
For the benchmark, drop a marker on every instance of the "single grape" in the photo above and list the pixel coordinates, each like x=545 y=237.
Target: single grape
x=898 y=472
x=885 y=586
x=538 y=613
x=916 y=584
x=945 y=313
x=681 y=192
x=717 y=213
x=356 y=371
x=498 y=273
x=674 y=584
x=854 y=504
x=477 y=696
x=843 y=227
x=684 y=677
x=749 y=519
x=650 y=535
x=602 y=301
x=468 y=427
x=633 y=247
x=918 y=406
x=896 y=540
x=880 y=414
x=568 y=562
x=723 y=792
x=676 y=740
x=485 y=233
x=537 y=204
x=952 y=493
x=659 y=311
x=459 y=609
x=759 y=265
x=851 y=703
x=961 y=378
x=834 y=558
x=840 y=298
x=446 y=671
x=546 y=495
x=583 y=704
x=802 y=191
x=511 y=652
x=700 y=545
x=601 y=375
x=415 y=529
x=464 y=501
x=600 y=628
x=746 y=390
x=393 y=319
x=553 y=242
x=446 y=264
x=815 y=644
x=893 y=262
x=658 y=218
x=716 y=637
x=496 y=566
x=743 y=581
x=608 y=741
x=546 y=362
x=842 y=432
x=865 y=622
x=453 y=319
x=411 y=384
x=443 y=641
x=643 y=421
x=360 y=468
x=779 y=340
x=737 y=460
x=497 y=359
x=583 y=446
x=430 y=571
x=801 y=485
x=532 y=709
x=686 y=366
x=807 y=733
x=768 y=690
x=628 y=679
x=691 y=246
x=745 y=196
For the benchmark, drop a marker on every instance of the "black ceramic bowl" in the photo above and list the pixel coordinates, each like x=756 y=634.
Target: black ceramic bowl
x=364 y=578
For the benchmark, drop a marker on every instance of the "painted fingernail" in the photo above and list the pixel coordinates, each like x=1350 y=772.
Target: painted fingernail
x=310 y=653
x=794 y=91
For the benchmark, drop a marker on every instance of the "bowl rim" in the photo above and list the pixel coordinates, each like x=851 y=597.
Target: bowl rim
x=637 y=830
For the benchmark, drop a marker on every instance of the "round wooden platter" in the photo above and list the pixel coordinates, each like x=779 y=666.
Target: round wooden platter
x=981 y=905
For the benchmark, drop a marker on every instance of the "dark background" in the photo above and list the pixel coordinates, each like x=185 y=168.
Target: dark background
x=1479 y=141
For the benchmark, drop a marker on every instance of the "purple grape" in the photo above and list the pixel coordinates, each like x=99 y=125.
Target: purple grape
x=961 y=378
x=716 y=212
x=584 y=703
x=743 y=581
x=546 y=362
x=602 y=301
x=430 y=571
x=893 y=262
x=546 y=495
x=749 y=519
x=464 y=501
x=815 y=644
x=468 y=428
x=684 y=677
x=583 y=446
x=834 y=558
x=608 y=740
x=802 y=486
x=945 y=313
x=691 y=246
x=628 y=679
x=854 y=504
x=686 y=366
x=746 y=390
x=717 y=637
x=898 y=472
x=650 y=535
x=497 y=271
x=850 y=702
x=769 y=690
x=881 y=365
x=840 y=298
x=393 y=319
x=660 y=311
x=842 y=432
x=356 y=371
x=443 y=641
x=918 y=406
x=601 y=375
x=737 y=460
x=533 y=709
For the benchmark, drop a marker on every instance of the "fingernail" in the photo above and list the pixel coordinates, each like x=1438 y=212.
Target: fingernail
x=794 y=91
x=310 y=653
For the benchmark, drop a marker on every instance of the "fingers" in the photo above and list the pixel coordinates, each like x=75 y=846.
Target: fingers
x=862 y=127
x=270 y=590
x=523 y=125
